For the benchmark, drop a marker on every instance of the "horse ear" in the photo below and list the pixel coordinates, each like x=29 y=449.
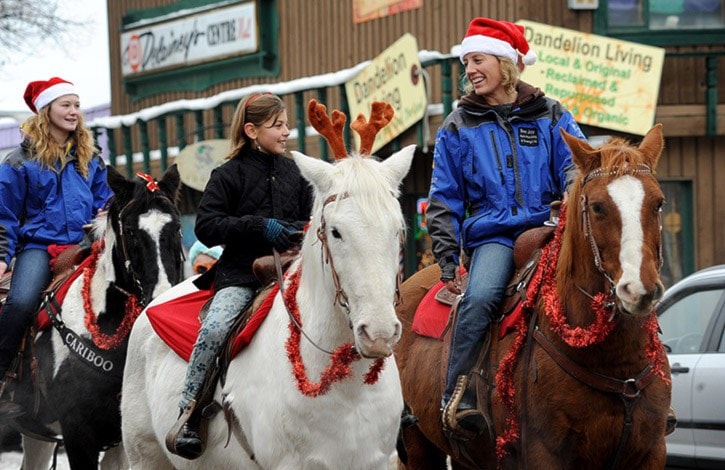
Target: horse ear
x=397 y=166
x=316 y=171
x=652 y=145
x=170 y=182
x=118 y=183
x=585 y=157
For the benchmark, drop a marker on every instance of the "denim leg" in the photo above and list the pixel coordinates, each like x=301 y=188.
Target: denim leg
x=492 y=266
x=31 y=275
x=223 y=311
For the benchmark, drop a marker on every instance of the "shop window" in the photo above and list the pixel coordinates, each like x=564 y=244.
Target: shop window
x=663 y=22
x=677 y=231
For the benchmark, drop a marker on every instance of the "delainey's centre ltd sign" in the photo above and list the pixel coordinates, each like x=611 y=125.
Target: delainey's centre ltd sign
x=603 y=82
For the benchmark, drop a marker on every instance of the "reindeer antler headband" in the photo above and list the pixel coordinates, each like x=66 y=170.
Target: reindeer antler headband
x=331 y=129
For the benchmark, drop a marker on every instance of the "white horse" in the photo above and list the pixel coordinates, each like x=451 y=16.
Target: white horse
x=346 y=285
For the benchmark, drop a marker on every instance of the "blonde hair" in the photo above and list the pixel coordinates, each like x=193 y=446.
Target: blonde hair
x=510 y=75
x=47 y=151
x=256 y=109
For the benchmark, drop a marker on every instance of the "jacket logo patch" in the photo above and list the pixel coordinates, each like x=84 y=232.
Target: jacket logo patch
x=529 y=136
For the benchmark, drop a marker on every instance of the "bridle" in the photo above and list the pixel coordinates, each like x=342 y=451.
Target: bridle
x=586 y=221
x=152 y=186
x=341 y=297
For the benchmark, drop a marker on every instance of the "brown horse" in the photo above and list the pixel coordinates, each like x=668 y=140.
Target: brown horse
x=581 y=380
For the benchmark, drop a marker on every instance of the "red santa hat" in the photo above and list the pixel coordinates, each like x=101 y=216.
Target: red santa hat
x=499 y=38
x=41 y=93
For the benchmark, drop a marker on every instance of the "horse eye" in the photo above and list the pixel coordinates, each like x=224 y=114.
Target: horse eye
x=597 y=208
x=336 y=234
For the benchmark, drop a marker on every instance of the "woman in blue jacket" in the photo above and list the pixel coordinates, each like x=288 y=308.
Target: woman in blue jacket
x=499 y=161
x=50 y=187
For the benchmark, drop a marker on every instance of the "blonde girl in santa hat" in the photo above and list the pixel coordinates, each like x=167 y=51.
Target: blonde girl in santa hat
x=499 y=162
x=52 y=185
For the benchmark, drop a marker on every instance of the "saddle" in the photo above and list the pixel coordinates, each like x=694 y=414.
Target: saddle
x=205 y=406
x=62 y=267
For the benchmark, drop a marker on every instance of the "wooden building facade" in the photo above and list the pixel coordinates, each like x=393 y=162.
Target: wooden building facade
x=317 y=38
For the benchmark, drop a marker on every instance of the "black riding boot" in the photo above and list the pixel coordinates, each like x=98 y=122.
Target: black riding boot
x=184 y=439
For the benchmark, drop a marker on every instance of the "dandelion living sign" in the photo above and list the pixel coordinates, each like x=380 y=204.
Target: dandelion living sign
x=603 y=82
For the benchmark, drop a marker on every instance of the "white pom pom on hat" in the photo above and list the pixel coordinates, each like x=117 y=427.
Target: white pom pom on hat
x=41 y=93
x=499 y=38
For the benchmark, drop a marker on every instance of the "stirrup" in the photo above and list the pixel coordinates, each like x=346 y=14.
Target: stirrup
x=178 y=428
x=451 y=415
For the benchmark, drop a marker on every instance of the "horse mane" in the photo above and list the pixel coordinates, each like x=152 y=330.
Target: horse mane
x=358 y=178
x=618 y=157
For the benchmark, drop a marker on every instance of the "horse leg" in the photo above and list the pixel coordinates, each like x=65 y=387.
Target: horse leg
x=36 y=454
x=422 y=454
x=114 y=459
x=80 y=455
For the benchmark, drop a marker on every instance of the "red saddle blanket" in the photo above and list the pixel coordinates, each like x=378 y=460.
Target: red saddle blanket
x=177 y=321
x=431 y=316
x=43 y=320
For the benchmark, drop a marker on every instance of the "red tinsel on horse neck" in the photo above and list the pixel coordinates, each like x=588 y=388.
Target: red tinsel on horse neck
x=339 y=367
x=544 y=281
x=132 y=308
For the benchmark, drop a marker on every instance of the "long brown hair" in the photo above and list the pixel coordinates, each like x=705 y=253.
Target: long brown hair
x=47 y=151
x=256 y=109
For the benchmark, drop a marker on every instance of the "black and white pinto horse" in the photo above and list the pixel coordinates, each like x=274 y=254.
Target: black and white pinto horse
x=136 y=256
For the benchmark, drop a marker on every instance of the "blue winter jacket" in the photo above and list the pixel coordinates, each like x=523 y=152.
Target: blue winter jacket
x=494 y=175
x=40 y=207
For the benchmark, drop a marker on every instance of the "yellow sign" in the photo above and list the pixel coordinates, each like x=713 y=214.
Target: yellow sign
x=196 y=161
x=394 y=76
x=364 y=10
x=604 y=82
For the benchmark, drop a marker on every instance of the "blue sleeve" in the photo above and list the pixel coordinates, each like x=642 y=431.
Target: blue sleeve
x=563 y=164
x=12 y=203
x=99 y=187
x=446 y=199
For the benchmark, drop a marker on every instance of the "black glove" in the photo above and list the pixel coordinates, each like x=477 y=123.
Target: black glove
x=448 y=268
x=280 y=234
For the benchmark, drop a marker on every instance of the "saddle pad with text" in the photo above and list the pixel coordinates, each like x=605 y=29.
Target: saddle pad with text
x=177 y=321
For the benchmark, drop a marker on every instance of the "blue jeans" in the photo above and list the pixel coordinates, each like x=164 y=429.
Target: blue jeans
x=223 y=311
x=31 y=275
x=492 y=266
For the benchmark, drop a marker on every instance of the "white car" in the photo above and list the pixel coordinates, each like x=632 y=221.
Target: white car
x=692 y=320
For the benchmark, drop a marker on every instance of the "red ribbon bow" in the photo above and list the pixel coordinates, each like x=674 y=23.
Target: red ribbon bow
x=151 y=183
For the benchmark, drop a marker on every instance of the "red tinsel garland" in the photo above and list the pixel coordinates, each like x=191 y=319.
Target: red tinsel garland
x=132 y=308
x=339 y=367
x=544 y=281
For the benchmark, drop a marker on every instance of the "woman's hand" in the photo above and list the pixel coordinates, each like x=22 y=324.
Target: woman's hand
x=454 y=285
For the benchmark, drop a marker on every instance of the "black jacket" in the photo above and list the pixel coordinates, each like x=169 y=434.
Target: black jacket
x=240 y=194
